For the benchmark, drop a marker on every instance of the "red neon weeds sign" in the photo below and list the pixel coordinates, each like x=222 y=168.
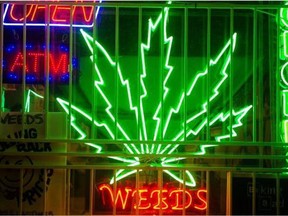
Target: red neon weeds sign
x=82 y=16
x=152 y=198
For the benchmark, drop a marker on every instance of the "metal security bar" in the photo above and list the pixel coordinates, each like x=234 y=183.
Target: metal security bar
x=143 y=108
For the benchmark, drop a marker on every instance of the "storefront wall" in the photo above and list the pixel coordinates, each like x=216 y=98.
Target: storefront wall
x=143 y=108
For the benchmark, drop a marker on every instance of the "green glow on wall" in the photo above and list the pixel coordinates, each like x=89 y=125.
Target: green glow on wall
x=164 y=152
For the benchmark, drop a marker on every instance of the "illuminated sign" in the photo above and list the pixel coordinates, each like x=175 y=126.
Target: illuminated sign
x=35 y=66
x=153 y=120
x=283 y=46
x=284 y=17
x=59 y=14
x=150 y=197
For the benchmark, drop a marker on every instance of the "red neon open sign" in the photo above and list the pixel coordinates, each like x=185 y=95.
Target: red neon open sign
x=153 y=199
x=82 y=16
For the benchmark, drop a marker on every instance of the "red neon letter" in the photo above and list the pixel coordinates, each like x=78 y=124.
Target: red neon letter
x=203 y=206
x=142 y=198
x=36 y=60
x=61 y=11
x=19 y=61
x=108 y=188
x=160 y=201
x=84 y=11
x=178 y=206
x=29 y=9
x=37 y=7
x=60 y=14
x=63 y=63
x=123 y=201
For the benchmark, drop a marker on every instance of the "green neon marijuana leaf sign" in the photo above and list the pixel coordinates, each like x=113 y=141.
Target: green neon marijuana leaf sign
x=155 y=125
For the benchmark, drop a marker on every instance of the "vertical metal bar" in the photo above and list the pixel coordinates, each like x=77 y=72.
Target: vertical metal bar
x=208 y=192
x=203 y=177
x=259 y=85
x=160 y=185
x=184 y=189
x=254 y=74
x=229 y=194
x=116 y=68
x=94 y=53
x=185 y=67
x=23 y=101
x=277 y=92
x=137 y=193
x=277 y=194
x=247 y=87
x=47 y=68
x=45 y=191
x=114 y=191
x=231 y=74
x=70 y=69
x=24 y=68
x=185 y=71
x=21 y=191
x=68 y=194
x=161 y=69
x=253 y=194
x=208 y=69
x=92 y=190
x=1 y=60
x=139 y=127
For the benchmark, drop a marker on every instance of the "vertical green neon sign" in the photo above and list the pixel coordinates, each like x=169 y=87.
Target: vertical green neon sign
x=283 y=55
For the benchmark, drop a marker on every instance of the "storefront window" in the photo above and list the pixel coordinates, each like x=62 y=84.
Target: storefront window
x=135 y=100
